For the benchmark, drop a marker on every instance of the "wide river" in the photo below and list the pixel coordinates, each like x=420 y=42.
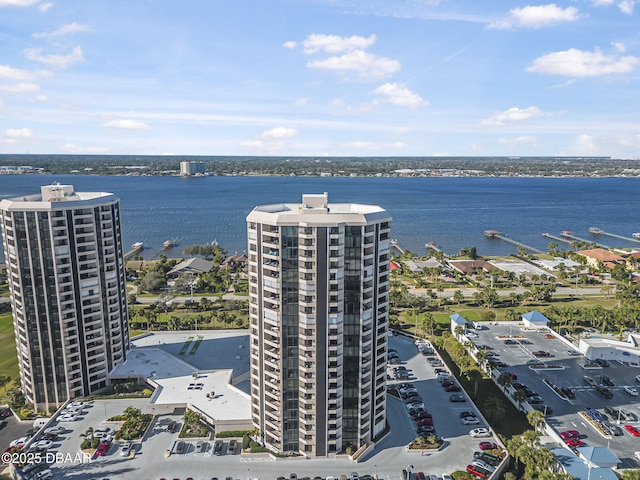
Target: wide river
x=452 y=212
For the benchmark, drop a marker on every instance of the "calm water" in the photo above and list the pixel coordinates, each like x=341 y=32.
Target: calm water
x=452 y=212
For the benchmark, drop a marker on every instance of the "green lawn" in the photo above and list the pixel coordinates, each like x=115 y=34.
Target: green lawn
x=8 y=357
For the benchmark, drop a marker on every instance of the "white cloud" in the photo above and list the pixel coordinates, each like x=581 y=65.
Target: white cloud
x=365 y=66
x=20 y=88
x=126 y=124
x=519 y=140
x=44 y=7
x=537 y=16
x=400 y=95
x=514 y=114
x=302 y=102
x=39 y=98
x=17 y=3
x=290 y=44
x=19 y=133
x=15 y=74
x=64 y=30
x=578 y=63
x=270 y=141
x=55 y=61
x=587 y=144
x=626 y=6
x=316 y=42
x=280 y=132
x=621 y=47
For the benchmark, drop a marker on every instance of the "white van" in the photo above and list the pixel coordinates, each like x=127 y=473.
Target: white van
x=41 y=422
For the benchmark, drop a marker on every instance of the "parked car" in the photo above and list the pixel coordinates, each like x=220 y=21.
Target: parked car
x=604 y=391
x=487 y=458
x=457 y=398
x=535 y=399
x=103 y=449
x=452 y=388
x=470 y=421
x=479 y=463
x=602 y=362
x=631 y=390
x=232 y=446
x=567 y=392
x=467 y=413
x=632 y=430
x=425 y=422
x=607 y=381
x=415 y=406
x=217 y=447
x=574 y=442
x=541 y=353
x=487 y=446
x=58 y=429
x=477 y=471
x=125 y=449
x=570 y=434
x=480 y=432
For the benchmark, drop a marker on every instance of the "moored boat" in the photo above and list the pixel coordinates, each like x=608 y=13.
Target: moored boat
x=172 y=242
x=595 y=230
x=138 y=246
x=636 y=235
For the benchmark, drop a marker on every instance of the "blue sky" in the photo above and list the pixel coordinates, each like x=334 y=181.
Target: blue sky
x=320 y=77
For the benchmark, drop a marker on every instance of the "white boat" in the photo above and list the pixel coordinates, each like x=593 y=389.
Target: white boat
x=138 y=246
x=636 y=235
x=172 y=242
x=596 y=230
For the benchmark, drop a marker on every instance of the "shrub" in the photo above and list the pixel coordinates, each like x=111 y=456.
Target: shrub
x=232 y=433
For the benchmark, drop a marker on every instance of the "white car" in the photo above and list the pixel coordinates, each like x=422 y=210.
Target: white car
x=415 y=405
x=18 y=442
x=57 y=430
x=637 y=455
x=125 y=449
x=637 y=378
x=68 y=417
x=631 y=390
x=481 y=464
x=470 y=421
x=42 y=444
x=472 y=335
x=480 y=432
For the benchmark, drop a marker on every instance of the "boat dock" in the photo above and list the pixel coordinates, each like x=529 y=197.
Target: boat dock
x=570 y=235
x=398 y=248
x=499 y=236
x=599 y=231
x=432 y=246
x=557 y=239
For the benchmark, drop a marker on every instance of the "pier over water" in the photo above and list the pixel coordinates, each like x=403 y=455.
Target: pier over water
x=499 y=236
x=599 y=231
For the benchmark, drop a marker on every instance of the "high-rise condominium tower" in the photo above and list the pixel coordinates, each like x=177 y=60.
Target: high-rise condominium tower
x=319 y=308
x=67 y=282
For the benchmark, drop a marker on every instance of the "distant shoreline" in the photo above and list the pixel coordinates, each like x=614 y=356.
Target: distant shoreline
x=349 y=167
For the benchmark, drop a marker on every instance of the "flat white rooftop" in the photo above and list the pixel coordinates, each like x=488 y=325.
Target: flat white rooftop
x=200 y=368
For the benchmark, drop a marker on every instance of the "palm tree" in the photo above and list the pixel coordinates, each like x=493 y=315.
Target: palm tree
x=88 y=433
x=519 y=396
x=536 y=419
x=504 y=380
x=494 y=408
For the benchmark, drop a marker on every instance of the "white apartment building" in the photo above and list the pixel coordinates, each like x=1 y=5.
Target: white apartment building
x=319 y=309
x=188 y=168
x=66 y=277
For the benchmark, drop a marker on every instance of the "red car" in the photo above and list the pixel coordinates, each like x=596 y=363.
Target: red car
x=425 y=422
x=632 y=430
x=570 y=434
x=103 y=449
x=477 y=471
x=574 y=442
x=487 y=446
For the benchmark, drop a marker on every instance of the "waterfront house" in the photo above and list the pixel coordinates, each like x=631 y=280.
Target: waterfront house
x=194 y=266
x=597 y=256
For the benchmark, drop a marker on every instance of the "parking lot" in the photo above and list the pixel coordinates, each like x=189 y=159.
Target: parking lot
x=148 y=458
x=527 y=347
